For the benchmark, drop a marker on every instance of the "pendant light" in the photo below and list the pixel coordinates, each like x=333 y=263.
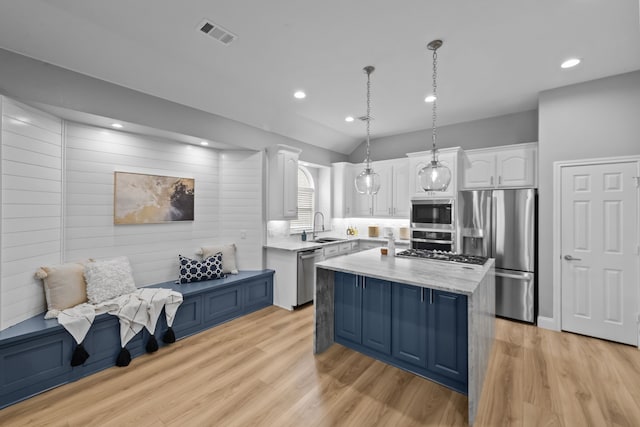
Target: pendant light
x=368 y=182
x=435 y=176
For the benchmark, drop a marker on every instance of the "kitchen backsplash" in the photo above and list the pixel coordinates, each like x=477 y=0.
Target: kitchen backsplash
x=340 y=225
x=278 y=229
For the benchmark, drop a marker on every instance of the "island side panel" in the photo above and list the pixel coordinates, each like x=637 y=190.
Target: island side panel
x=323 y=310
x=481 y=314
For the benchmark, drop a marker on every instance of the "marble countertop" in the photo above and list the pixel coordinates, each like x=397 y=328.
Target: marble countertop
x=442 y=275
x=294 y=243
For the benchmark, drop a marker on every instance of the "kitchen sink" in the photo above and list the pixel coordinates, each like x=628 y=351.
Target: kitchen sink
x=328 y=239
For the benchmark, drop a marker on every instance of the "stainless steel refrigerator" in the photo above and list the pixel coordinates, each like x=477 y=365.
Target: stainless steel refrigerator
x=502 y=224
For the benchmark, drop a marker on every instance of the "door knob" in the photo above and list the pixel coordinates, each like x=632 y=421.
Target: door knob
x=570 y=258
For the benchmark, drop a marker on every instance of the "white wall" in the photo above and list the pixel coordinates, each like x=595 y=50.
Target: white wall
x=502 y=130
x=241 y=206
x=600 y=118
x=31 y=207
x=57 y=203
x=34 y=81
x=92 y=157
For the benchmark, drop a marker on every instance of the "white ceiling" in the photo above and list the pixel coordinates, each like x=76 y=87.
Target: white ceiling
x=497 y=55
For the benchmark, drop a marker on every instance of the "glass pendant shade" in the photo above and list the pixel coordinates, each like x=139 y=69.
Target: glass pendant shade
x=367 y=182
x=434 y=177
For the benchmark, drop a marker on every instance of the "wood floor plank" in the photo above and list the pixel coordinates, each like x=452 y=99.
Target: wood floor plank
x=260 y=370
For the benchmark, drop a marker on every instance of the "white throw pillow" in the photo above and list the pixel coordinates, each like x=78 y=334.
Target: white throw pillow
x=228 y=256
x=108 y=279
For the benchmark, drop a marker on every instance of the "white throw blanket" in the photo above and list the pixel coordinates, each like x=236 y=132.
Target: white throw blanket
x=136 y=311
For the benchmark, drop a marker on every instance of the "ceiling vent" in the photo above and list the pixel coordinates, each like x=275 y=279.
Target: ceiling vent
x=215 y=31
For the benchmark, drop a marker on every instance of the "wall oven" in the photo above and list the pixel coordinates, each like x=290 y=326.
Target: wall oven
x=433 y=224
x=435 y=240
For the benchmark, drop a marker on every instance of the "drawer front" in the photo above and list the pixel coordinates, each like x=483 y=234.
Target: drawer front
x=35 y=361
x=258 y=293
x=345 y=247
x=331 y=251
x=189 y=316
x=223 y=304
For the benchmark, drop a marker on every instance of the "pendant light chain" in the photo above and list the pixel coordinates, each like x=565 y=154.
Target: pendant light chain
x=368 y=118
x=434 y=113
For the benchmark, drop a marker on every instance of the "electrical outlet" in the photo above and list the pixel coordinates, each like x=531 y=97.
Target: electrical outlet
x=243 y=234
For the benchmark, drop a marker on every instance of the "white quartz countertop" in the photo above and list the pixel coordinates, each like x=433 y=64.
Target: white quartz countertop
x=442 y=275
x=294 y=243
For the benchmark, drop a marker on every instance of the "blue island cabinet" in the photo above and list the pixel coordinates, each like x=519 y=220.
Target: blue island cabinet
x=363 y=312
x=418 y=329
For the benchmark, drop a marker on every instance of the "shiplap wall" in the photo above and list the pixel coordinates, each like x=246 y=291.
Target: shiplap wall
x=241 y=204
x=32 y=174
x=57 y=203
x=92 y=157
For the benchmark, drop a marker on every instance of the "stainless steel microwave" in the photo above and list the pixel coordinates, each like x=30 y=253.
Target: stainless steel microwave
x=438 y=214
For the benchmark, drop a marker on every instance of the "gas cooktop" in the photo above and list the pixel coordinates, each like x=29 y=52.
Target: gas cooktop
x=442 y=256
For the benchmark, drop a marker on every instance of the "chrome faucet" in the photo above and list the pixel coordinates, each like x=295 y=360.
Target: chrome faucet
x=313 y=233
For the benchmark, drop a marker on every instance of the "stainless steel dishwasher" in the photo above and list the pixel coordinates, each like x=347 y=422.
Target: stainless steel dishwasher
x=307 y=274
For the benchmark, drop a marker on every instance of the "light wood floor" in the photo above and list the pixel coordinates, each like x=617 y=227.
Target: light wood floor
x=260 y=370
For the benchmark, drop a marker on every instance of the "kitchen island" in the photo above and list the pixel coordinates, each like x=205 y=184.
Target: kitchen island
x=432 y=318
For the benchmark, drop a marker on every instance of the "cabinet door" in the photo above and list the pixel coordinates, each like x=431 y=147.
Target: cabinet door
x=401 y=202
x=290 y=185
x=376 y=314
x=382 y=201
x=409 y=324
x=447 y=335
x=362 y=204
x=516 y=167
x=416 y=165
x=347 y=307
x=481 y=172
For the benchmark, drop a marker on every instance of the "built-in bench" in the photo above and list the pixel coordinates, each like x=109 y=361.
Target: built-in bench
x=35 y=354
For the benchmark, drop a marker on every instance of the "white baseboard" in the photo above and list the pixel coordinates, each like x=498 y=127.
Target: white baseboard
x=548 y=323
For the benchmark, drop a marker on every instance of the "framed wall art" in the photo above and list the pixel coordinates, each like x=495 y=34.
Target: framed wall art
x=152 y=199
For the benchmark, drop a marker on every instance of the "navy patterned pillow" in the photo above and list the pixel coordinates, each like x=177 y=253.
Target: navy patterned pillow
x=192 y=270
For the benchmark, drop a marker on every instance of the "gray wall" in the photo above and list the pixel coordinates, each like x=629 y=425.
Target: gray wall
x=600 y=118
x=33 y=81
x=503 y=130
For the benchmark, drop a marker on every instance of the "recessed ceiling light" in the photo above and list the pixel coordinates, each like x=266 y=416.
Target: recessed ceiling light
x=300 y=95
x=349 y=119
x=569 y=63
x=204 y=143
x=430 y=98
x=116 y=125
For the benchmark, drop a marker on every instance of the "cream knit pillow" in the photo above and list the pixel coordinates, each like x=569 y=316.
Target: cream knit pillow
x=108 y=279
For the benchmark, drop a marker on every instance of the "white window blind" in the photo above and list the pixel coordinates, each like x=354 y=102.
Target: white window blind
x=305 y=203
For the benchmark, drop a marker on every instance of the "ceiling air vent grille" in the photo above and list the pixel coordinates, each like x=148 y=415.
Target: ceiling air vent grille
x=215 y=31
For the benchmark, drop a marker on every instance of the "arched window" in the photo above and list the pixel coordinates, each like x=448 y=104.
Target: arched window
x=306 y=201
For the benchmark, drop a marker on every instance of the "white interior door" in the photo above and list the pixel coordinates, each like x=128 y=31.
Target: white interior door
x=599 y=241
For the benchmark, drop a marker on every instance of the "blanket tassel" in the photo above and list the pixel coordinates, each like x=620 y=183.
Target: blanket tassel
x=124 y=358
x=152 y=344
x=79 y=356
x=169 y=336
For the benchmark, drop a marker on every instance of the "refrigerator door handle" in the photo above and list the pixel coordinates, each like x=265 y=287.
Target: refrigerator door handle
x=511 y=275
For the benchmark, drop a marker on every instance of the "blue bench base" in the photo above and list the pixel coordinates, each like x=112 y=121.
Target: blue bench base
x=35 y=354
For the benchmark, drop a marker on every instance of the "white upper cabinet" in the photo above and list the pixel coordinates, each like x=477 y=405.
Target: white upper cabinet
x=282 y=197
x=392 y=200
x=342 y=186
x=509 y=166
x=449 y=157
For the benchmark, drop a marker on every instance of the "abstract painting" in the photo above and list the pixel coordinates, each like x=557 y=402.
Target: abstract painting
x=152 y=199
